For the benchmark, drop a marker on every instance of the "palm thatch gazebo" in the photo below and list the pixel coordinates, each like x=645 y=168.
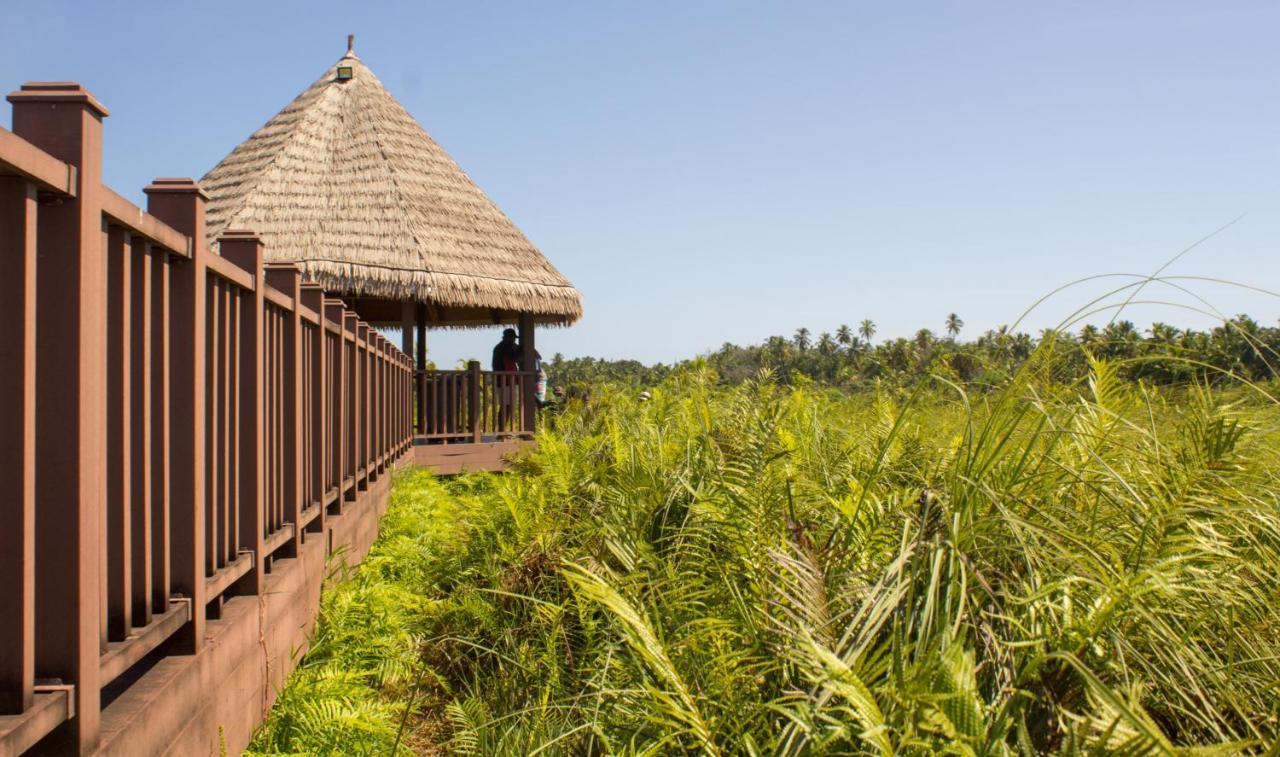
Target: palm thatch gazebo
x=347 y=185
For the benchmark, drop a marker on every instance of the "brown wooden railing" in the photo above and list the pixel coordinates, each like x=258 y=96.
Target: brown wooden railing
x=172 y=421
x=473 y=406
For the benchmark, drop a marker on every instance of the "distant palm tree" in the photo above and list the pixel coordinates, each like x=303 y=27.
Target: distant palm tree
x=1163 y=332
x=826 y=345
x=866 y=330
x=954 y=324
x=844 y=335
x=801 y=339
x=924 y=338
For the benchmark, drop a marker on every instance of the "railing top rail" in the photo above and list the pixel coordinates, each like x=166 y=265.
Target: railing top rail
x=465 y=372
x=140 y=222
x=20 y=157
x=228 y=270
x=275 y=297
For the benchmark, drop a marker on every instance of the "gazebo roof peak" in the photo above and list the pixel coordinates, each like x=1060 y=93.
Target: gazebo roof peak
x=345 y=183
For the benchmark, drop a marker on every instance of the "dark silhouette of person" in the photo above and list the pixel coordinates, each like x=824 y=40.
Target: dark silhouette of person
x=506 y=358
x=506 y=354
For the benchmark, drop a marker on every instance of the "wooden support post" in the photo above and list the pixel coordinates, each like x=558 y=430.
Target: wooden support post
x=419 y=378
x=17 y=443
x=65 y=120
x=245 y=250
x=287 y=278
x=181 y=203
x=408 y=320
x=528 y=366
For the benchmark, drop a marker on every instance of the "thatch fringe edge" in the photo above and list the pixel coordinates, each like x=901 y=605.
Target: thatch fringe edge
x=448 y=289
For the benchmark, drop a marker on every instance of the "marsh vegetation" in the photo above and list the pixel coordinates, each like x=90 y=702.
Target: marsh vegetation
x=1060 y=561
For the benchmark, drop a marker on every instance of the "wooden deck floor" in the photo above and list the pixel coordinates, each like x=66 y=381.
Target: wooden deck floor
x=449 y=459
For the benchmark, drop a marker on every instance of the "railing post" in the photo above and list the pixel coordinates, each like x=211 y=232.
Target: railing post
x=473 y=399
x=351 y=403
x=161 y=407
x=245 y=250
x=364 y=397
x=181 y=204
x=17 y=443
x=337 y=393
x=65 y=120
x=288 y=279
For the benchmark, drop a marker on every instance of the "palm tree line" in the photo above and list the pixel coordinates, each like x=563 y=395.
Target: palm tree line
x=850 y=356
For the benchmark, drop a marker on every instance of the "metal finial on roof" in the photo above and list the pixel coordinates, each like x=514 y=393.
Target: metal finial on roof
x=351 y=44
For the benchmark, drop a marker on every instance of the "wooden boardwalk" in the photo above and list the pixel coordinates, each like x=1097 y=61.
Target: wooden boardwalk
x=187 y=437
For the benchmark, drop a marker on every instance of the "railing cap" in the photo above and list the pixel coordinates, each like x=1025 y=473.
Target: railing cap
x=163 y=185
x=240 y=235
x=58 y=92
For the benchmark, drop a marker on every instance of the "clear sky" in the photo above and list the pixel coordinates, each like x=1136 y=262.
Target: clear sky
x=722 y=171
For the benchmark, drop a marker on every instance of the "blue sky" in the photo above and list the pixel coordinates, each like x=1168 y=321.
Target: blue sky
x=722 y=171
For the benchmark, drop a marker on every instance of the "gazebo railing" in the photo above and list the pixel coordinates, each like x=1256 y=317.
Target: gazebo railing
x=474 y=406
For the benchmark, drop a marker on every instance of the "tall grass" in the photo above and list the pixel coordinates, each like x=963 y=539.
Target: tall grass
x=767 y=570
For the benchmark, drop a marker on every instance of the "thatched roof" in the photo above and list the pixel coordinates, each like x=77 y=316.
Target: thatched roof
x=346 y=183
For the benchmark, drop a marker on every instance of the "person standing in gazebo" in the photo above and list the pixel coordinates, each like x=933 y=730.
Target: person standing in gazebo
x=506 y=358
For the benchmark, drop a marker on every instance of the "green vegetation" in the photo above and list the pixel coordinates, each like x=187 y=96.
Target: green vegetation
x=1050 y=565
x=851 y=360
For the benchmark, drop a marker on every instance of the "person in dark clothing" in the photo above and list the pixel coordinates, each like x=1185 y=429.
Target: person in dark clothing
x=506 y=354
x=506 y=357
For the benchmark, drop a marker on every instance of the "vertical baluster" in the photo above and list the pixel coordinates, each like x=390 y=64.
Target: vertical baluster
x=17 y=443
x=160 y=432
x=214 y=464
x=140 y=431
x=116 y=549
x=231 y=468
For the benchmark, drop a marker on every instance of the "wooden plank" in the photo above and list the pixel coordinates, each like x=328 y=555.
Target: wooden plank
x=278 y=298
x=220 y=265
x=448 y=459
x=20 y=157
x=49 y=709
x=122 y=655
x=279 y=538
x=139 y=222
x=219 y=582
x=309 y=314
x=17 y=440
